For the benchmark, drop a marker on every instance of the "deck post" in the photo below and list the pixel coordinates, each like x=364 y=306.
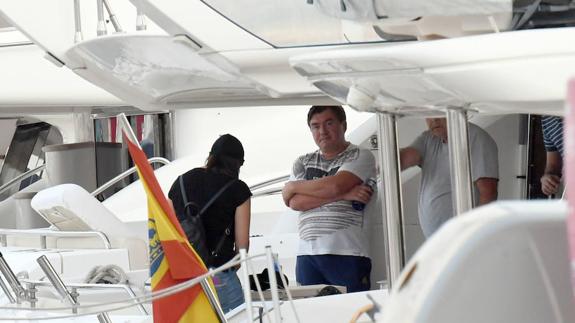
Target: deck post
x=459 y=162
x=273 y=285
x=246 y=281
x=390 y=188
x=83 y=126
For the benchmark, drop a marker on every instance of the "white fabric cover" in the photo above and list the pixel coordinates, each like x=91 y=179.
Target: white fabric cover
x=69 y=207
x=503 y=262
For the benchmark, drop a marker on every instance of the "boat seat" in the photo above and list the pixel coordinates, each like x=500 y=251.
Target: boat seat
x=504 y=262
x=69 y=207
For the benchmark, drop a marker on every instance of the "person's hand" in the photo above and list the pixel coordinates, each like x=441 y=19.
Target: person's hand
x=550 y=184
x=361 y=193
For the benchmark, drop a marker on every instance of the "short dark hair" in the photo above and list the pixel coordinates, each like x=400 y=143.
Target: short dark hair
x=336 y=109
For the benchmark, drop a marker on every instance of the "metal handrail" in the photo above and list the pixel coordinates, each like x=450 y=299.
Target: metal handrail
x=112 y=16
x=101 y=27
x=146 y=298
x=21 y=177
x=130 y=171
x=78 y=37
x=269 y=182
x=164 y=161
x=270 y=191
x=81 y=286
x=43 y=234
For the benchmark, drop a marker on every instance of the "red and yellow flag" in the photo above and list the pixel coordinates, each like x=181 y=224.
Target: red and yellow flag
x=172 y=258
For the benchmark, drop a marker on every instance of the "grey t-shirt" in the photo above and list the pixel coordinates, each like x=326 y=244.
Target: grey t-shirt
x=435 y=202
x=333 y=228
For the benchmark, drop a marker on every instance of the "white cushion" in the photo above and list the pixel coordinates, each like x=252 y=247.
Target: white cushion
x=69 y=207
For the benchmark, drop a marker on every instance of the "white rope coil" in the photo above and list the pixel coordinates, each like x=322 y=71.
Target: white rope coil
x=109 y=274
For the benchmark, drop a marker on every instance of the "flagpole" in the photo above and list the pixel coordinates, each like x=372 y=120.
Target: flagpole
x=209 y=292
x=128 y=132
x=212 y=298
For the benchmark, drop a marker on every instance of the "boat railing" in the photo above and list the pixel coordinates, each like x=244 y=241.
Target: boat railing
x=101 y=30
x=110 y=183
x=258 y=190
x=75 y=289
x=21 y=177
x=270 y=191
x=269 y=182
x=246 y=270
x=43 y=234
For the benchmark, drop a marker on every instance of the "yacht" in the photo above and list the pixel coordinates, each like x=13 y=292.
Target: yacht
x=74 y=220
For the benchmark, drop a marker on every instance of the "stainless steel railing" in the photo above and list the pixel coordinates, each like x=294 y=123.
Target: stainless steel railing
x=268 y=192
x=44 y=233
x=113 y=17
x=21 y=177
x=269 y=182
x=80 y=286
x=146 y=298
x=126 y=173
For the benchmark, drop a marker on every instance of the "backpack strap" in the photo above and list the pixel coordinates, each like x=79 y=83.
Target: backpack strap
x=215 y=197
x=211 y=201
x=183 y=190
x=208 y=204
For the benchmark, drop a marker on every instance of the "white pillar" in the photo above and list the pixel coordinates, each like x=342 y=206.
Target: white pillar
x=459 y=162
x=83 y=127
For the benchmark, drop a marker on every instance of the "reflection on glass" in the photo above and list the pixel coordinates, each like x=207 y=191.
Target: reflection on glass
x=293 y=23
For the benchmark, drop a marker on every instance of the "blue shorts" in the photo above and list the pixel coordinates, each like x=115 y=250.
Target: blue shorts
x=229 y=290
x=349 y=271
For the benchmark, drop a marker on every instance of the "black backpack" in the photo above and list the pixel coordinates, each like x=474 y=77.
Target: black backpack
x=193 y=227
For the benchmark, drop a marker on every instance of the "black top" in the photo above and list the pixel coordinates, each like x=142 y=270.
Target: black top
x=201 y=185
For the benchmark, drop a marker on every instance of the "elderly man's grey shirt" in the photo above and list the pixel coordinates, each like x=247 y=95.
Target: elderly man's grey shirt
x=435 y=202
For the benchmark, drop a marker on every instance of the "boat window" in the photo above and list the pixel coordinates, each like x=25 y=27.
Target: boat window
x=294 y=23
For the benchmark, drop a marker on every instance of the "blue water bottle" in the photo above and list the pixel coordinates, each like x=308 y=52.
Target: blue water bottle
x=359 y=206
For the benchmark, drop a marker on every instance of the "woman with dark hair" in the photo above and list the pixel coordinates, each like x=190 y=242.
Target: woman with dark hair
x=227 y=220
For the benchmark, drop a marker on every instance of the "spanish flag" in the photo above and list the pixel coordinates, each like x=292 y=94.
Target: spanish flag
x=172 y=258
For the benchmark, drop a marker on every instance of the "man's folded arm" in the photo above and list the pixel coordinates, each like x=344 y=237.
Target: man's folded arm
x=360 y=193
x=301 y=202
x=328 y=187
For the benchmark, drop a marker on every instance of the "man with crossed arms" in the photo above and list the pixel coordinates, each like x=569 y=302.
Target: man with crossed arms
x=333 y=247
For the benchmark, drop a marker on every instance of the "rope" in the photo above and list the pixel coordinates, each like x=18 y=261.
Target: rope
x=110 y=274
x=360 y=311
